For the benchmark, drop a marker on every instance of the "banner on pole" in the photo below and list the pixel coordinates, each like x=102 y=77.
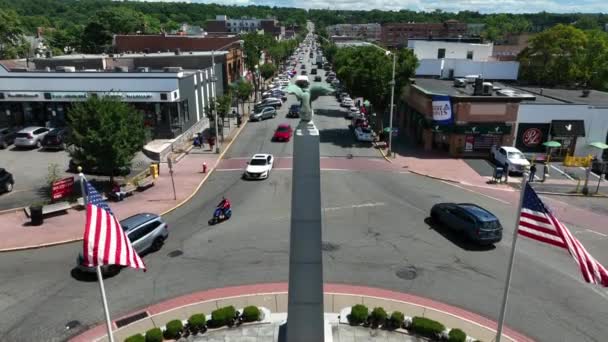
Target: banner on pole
x=62 y=188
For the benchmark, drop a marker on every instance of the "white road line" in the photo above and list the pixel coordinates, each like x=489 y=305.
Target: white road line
x=363 y=205
x=562 y=172
x=229 y=170
x=476 y=192
x=594 y=232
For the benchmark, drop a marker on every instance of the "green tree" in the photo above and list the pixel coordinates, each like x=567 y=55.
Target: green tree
x=64 y=40
x=253 y=46
x=106 y=133
x=242 y=91
x=367 y=72
x=595 y=63
x=267 y=70
x=12 y=44
x=555 y=57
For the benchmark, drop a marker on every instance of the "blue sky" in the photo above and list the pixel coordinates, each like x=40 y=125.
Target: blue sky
x=484 y=6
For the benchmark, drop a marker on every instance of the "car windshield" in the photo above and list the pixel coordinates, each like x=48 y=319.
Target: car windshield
x=258 y=162
x=283 y=129
x=515 y=155
x=366 y=130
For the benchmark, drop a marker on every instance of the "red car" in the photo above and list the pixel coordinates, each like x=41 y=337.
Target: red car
x=283 y=133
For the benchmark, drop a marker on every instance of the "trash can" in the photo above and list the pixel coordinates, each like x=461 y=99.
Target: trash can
x=154 y=170
x=498 y=173
x=36 y=215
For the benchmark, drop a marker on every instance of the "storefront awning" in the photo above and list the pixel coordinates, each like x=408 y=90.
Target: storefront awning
x=485 y=128
x=568 y=128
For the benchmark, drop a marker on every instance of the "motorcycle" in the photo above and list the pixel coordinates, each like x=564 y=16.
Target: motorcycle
x=220 y=215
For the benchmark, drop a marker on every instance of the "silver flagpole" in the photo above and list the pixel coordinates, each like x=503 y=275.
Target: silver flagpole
x=98 y=268
x=503 y=309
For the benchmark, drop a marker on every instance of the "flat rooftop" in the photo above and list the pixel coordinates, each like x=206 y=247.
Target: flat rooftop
x=566 y=96
x=433 y=86
x=135 y=55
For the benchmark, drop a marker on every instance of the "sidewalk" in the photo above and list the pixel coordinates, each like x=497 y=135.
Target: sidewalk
x=187 y=172
x=273 y=296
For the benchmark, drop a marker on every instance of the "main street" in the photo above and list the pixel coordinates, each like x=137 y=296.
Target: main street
x=375 y=234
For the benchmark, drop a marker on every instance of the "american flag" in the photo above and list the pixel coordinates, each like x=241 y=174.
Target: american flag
x=105 y=242
x=537 y=222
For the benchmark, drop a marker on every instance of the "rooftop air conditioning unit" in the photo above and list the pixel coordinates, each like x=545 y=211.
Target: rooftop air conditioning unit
x=471 y=78
x=65 y=69
x=460 y=83
x=172 y=69
x=121 y=69
x=487 y=88
x=143 y=69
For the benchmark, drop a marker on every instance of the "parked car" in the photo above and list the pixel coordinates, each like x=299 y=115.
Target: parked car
x=259 y=166
x=302 y=66
x=294 y=111
x=313 y=71
x=146 y=232
x=352 y=112
x=92 y=169
x=359 y=121
x=269 y=102
x=6 y=181
x=347 y=102
x=303 y=72
x=56 y=139
x=509 y=155
x=283 y=133
x=7 y=136
x=30 y=136
x=475 y=222
x=263 y=113
x=363 y=134
x=317 y=78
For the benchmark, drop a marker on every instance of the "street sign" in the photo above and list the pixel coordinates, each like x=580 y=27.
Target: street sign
x=62 y=188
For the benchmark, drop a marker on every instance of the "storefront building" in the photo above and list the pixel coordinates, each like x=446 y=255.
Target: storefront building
x=459 y=120
x=565 y=116
x=171 y=102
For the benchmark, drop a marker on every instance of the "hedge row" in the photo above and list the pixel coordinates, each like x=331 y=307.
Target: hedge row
x=360 y=314
x=198 y=323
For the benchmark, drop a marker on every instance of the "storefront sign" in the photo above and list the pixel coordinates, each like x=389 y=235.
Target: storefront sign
x=22 y=95
x=496 y=129
x=531 y=136
x=468 y=143
x=130 y=96
x=442 y=110
x=62 y=188
x=69 y=96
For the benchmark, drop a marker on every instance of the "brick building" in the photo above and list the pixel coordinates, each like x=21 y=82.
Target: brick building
x=397 y=34
x=369 y=32
x=149 y=44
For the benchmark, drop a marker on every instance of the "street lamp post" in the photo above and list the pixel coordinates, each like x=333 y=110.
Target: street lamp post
x=392 y=83
x=213 y=81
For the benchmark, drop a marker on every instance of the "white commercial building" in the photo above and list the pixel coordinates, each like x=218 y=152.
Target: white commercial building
x=567 y=116
x=437 y=49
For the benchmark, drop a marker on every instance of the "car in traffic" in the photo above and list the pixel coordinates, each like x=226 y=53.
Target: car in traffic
x=269 y=102
x=511 y=156
x=56 y=139
x=317 y=78
x=283 y=133
x=145 y=231
x=30 y=136
x=6 y=181
x=302 y=66
x=7 y=136
x=294 y=111
x=303 y=72
x=313 y=71
x=363 y=134
x=471 y=220
x=263 y=113
x=259 y=166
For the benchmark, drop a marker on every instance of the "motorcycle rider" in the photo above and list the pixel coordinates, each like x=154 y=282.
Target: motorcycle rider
x=224 y=205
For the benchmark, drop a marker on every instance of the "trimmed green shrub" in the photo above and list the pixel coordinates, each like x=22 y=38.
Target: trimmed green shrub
x=223 y=316
x=457 y=335
x=174 y=329
x=426 y=327
x=378 y=316
x=136 y=338
x=358 y=314
x=154 y=335
x=251 y=314
x=197 y=322
x=396 y=320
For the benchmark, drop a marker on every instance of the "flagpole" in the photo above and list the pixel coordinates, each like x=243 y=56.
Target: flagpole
x=503 y=309
x=98 y=268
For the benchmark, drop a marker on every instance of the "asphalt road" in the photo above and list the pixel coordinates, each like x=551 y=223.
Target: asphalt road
x=374 y=234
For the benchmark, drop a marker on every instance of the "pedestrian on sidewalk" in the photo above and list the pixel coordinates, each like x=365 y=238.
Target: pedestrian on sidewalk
x=532 y=172
x=506 y=172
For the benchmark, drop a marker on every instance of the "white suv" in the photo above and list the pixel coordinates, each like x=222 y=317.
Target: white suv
x=511 y=156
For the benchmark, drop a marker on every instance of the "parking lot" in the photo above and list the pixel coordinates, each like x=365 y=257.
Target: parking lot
x=30 y=168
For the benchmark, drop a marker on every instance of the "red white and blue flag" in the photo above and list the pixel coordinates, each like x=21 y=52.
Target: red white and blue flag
x=105 y=242
x=538 y=223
